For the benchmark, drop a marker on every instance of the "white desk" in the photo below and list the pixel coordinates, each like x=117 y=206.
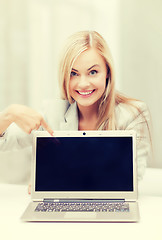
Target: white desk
x=14 y=200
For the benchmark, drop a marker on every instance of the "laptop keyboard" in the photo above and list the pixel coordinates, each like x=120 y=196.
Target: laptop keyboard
x=82 y=207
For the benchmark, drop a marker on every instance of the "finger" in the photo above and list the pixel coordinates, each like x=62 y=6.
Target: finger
x=37 y=126
x=29 y=189
x=46 y=127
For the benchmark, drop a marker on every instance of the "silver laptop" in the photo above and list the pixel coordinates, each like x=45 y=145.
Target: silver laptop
x=80 y=176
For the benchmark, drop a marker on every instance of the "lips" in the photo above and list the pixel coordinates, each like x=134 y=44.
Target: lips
x=85 y=93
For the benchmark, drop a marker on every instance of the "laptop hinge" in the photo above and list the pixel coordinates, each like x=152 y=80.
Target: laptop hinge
x=83 y=200
x=50 y=200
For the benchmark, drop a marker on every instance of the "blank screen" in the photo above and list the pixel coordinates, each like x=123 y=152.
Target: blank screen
x=84 y=164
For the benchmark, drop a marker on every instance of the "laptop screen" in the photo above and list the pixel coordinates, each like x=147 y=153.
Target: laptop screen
x=84 y=164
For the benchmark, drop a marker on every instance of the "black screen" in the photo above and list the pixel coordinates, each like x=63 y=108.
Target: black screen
x=84 y=164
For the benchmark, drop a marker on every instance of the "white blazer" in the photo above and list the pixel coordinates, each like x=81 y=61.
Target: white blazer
x=60 y=115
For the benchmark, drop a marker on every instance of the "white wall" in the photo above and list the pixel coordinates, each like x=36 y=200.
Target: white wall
x=13 y=52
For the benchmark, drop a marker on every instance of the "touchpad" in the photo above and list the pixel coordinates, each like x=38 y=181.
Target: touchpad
x=80 y=215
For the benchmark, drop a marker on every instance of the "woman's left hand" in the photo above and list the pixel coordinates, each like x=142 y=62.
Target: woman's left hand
x=29 y=188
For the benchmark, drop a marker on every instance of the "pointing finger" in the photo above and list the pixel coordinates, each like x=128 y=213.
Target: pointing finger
x=46 y=127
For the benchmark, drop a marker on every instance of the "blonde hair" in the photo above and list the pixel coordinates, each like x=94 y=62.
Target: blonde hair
x=76 y=44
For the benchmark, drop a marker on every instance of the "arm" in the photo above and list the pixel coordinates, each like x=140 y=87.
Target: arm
x=25 y=119
x=141 y=123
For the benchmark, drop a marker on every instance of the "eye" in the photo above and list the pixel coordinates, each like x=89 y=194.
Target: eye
x=73 y=74
x=93 y=72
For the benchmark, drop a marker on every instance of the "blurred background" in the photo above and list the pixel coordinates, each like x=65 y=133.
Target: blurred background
x=32 y=34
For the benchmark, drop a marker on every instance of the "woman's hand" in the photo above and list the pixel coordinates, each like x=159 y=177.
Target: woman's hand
x=29 y=188
x=26 y=118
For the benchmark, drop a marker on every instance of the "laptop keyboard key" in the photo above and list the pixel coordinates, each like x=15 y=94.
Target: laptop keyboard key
x=82 y=207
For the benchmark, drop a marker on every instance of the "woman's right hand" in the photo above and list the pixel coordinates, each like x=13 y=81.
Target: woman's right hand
x=26 y=118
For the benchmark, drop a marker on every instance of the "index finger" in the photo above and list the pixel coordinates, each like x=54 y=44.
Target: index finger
x=46 y=127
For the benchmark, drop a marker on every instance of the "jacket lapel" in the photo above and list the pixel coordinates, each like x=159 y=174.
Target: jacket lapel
x=70 y=121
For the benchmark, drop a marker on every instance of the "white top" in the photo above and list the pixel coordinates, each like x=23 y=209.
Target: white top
x=60 y=115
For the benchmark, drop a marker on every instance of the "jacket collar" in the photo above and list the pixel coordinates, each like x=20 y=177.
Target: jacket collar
x=70 y=121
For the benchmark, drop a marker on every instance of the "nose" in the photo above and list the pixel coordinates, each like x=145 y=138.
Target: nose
x=83 y=82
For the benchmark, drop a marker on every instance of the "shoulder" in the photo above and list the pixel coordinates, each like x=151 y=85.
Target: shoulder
x=132 y=112
x=135 y=106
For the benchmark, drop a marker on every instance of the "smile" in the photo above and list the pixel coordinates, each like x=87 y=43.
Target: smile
x=85 y=93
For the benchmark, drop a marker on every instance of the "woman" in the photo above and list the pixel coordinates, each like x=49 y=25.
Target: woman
x=89 y=101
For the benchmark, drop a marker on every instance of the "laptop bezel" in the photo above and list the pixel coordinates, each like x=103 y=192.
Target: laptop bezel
x=127 y=196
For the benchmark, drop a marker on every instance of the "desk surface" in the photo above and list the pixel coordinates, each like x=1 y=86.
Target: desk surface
x=14 y=199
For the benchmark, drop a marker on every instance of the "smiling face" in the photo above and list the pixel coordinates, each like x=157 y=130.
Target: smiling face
x=88 y=78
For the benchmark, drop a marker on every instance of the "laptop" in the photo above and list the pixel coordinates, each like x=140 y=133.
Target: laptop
x=84 y=176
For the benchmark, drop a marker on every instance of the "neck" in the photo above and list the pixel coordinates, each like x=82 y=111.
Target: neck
x=87 y=113
x=88 y=117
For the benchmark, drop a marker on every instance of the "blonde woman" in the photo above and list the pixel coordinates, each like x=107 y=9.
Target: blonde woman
x=88 y=101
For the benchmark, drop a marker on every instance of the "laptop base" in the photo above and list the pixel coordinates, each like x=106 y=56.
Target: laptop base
x=31 y=216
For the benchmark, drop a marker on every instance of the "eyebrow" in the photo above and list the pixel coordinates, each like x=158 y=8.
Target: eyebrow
x=95 y=65
x=75 y=70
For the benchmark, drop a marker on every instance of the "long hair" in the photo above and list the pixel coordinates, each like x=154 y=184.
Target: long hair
x=76 y=44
